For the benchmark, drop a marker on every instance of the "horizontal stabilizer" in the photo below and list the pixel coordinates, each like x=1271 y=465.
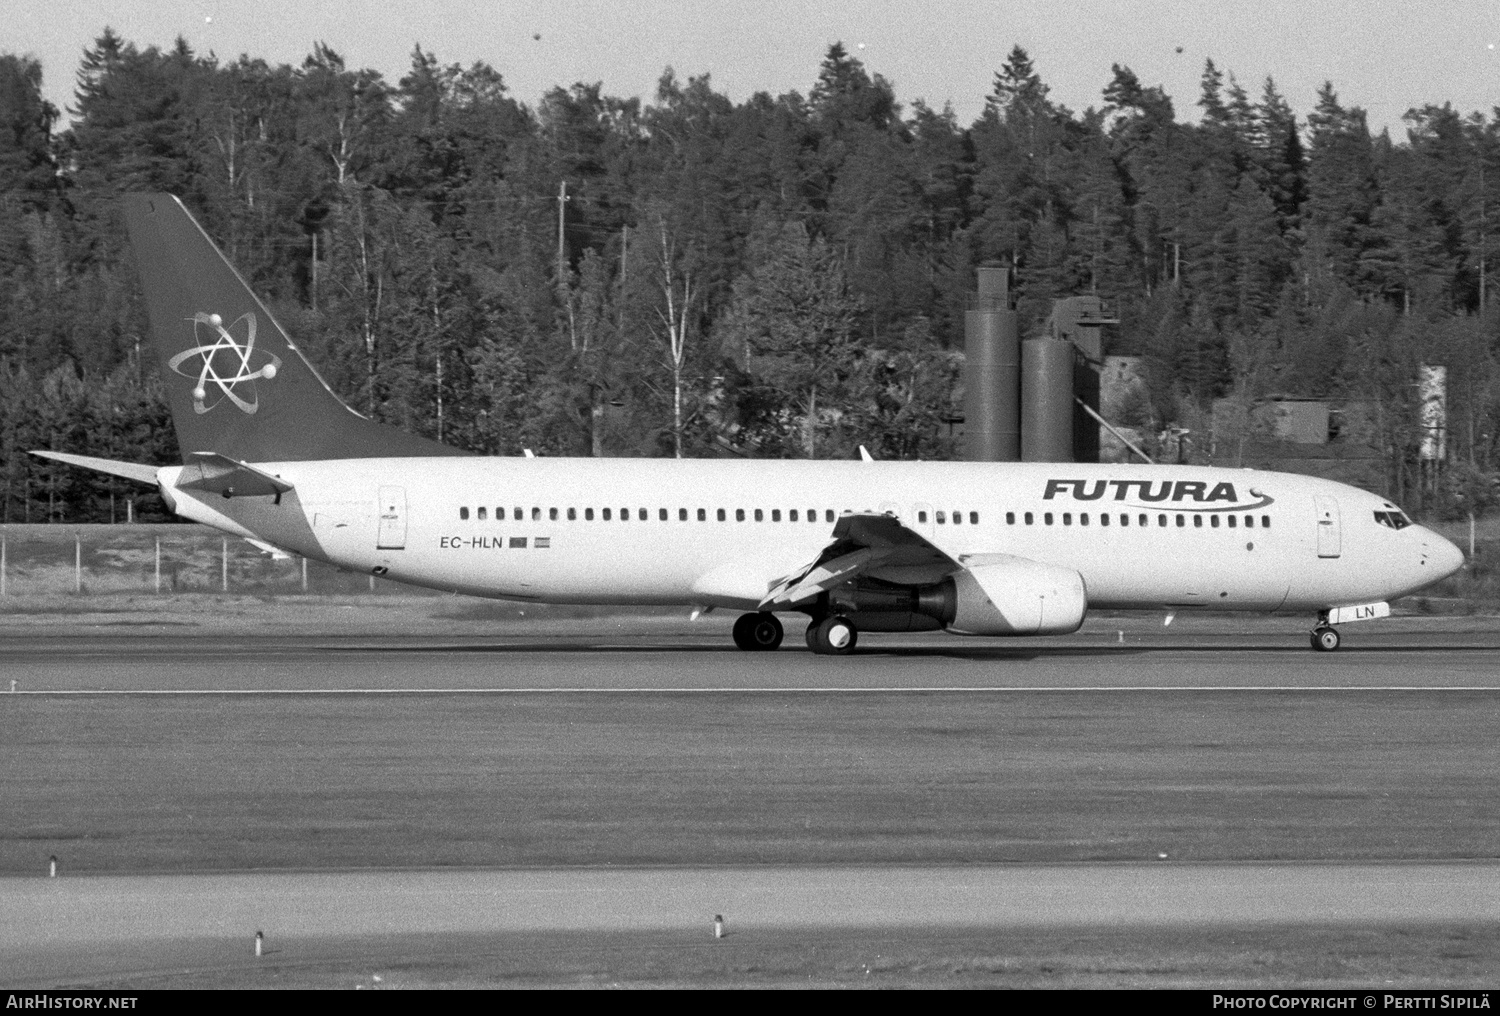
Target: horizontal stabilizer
x=130 y=470
x=213 y=473
x=277 y=554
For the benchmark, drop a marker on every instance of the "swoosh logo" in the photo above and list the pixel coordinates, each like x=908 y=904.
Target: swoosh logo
x=1163 y=506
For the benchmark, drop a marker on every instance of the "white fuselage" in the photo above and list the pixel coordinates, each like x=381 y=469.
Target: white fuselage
x=720 y=532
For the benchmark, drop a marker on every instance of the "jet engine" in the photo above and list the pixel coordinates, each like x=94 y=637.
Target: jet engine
x=998 y=595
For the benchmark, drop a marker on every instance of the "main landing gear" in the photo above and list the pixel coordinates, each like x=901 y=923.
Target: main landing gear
x=832 y=636
x=757 y=632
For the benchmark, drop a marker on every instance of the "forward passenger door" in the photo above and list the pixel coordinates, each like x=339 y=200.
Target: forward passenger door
x=1329 y=539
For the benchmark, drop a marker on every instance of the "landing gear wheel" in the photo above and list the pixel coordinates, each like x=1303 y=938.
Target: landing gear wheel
x=812 y=635
x=834 y=636
x=1325 y=639
x=758 y=632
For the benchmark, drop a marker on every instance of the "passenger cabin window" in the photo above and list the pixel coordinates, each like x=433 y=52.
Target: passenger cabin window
x=643 y=514
x=1161 y=521
x=661 y=514
x=775 y=514
x=1198 y=521
x=921 y=516
x=1181 y=521
x=759 y=515
x=828 y=515
x=1213 y=520
x=517 y=513
x=1010 y=518
x=605 y=513
x=481 y=514
x=1231 y=522
x=536 y=515
x=1047 y=518
x=973 y=518
x=463 y=513
x=552 y=514
x=739 y=515
x=942 y=517
x=1265 y=522
x=1249 y=521
x=720 y=514
x=1067 y=518
x=702 y=514
x=1029 y=518
x=958 y=518
x=1083 y=519
x=572 y=514
x=682 y=515
x=791 y=516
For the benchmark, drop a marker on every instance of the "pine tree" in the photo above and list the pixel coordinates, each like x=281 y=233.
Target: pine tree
x=28 y=162
x=1342 y=191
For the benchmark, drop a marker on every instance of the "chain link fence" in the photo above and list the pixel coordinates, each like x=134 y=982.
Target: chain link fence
x=47 y=560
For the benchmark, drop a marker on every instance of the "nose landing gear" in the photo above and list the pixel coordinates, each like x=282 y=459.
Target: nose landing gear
x=1325 y=638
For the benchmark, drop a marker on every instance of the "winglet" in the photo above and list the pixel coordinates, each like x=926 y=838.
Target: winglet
x=864 y=454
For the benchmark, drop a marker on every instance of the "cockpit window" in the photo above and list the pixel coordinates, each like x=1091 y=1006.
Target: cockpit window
x=1393 y=519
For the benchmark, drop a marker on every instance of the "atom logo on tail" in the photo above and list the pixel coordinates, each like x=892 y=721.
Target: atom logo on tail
x=238 y=375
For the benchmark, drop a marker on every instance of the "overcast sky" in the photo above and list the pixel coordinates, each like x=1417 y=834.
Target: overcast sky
x=1383 y=55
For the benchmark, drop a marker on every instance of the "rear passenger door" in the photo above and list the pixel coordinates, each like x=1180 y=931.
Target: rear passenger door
x=392 y=533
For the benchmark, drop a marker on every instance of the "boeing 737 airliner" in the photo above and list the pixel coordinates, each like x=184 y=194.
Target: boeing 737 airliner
x=272 y=454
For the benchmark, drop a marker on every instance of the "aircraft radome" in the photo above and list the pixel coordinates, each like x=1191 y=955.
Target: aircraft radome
x=270 y=453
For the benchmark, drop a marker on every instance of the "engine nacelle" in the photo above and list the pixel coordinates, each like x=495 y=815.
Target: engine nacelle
x=1005 y=595
x=997 y=594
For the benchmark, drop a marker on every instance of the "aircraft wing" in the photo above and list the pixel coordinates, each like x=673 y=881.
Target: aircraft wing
x=864 y=543
x=130 y=470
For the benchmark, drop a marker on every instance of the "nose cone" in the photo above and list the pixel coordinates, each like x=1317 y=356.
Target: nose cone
x=1442 y=556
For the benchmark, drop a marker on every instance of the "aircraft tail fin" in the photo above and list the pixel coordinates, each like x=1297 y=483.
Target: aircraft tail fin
x=237 y=385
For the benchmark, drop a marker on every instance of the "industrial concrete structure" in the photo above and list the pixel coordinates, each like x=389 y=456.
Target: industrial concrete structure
x=1032 y=401
x=992 y=371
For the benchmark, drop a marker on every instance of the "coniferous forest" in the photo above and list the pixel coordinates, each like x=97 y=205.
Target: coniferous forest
x=784 y=277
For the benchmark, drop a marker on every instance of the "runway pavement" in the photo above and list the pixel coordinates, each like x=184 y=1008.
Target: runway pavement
x=636 y=771
x=1135 y=652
